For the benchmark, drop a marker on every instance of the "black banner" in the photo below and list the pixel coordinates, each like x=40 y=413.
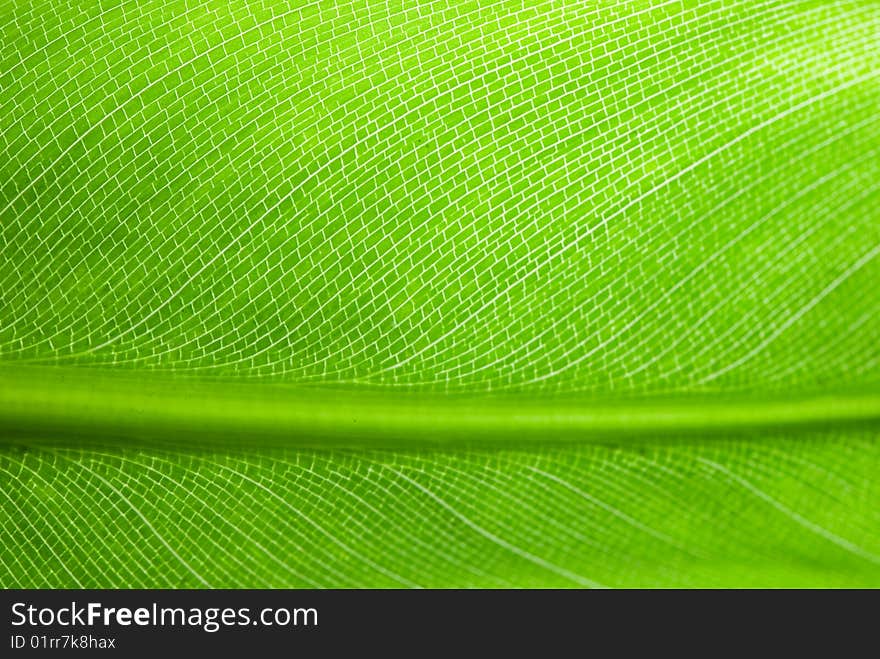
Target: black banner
x=290 y=622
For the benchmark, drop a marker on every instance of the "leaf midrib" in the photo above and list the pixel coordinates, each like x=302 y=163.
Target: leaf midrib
x=63 y=404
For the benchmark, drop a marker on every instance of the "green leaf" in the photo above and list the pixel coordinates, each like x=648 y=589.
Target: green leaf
x=447 y=294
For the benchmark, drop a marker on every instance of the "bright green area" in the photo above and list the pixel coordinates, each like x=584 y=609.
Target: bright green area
x=769 y=510
x=442 y=294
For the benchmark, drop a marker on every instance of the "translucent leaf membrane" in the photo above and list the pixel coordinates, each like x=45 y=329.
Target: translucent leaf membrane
x=319 y=252
x=768 y=510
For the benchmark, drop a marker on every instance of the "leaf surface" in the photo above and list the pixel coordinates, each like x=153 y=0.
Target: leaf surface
x=372 y=294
